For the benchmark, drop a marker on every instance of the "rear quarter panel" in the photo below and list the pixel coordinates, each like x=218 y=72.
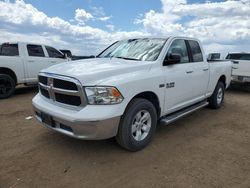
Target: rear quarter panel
x=15 y=64
x=218 y=69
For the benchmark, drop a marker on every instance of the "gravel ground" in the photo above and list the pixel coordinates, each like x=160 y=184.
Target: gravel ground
x=209 y=148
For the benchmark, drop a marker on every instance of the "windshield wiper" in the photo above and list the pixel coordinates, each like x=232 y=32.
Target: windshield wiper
x=127 y=58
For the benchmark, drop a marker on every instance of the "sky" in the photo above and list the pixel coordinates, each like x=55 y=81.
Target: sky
x=86 y=27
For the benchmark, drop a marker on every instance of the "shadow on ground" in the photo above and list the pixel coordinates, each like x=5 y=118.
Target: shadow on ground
x=240 y=88
x=21 y=90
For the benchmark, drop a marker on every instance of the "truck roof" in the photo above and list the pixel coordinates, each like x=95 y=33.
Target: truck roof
x=17 y=42
x=239 y=53
x=162 y=37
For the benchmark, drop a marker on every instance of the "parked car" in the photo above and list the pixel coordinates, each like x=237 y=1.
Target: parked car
x=21 y=62
x=128 y=88
x=241 y=71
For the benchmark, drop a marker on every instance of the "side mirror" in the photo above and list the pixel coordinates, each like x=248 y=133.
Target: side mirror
x=173 y=58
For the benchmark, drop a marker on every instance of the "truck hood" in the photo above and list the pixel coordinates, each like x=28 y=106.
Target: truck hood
x=93 y=71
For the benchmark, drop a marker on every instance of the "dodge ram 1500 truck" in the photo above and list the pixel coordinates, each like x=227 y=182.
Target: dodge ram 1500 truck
x=129 y=88
x=21 y=62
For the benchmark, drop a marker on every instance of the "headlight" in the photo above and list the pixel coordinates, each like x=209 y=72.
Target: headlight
x=103 y=95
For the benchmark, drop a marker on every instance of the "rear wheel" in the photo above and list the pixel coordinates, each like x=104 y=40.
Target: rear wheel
x=138 y=125
x=7 y=86
x=217 y=99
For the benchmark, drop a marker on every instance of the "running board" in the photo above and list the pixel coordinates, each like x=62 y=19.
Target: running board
x=181 y=113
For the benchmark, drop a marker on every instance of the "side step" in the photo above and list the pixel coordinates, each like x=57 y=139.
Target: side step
x=181 y=113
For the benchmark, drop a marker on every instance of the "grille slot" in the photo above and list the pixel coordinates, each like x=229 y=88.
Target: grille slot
x=60 y=89
x=63 y=84
x=44 y=92
x=43 y=80
x=67 y=99
x=65 y=127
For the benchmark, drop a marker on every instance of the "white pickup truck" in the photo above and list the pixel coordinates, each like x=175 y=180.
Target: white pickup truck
x=241 y=69
x=21 y=62
x=128 y=88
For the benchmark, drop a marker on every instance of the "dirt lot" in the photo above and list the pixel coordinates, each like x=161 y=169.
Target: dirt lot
x=206 y=149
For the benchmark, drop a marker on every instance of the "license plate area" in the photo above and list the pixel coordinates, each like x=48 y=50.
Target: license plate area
x=48 y=120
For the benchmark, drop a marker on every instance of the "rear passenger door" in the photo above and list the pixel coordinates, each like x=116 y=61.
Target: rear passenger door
x=35 y=61
x=200 y=70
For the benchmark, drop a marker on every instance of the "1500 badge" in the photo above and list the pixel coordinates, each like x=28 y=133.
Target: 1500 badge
x=170 y=85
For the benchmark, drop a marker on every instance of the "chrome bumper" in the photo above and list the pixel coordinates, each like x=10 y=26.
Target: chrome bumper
x=85 y=130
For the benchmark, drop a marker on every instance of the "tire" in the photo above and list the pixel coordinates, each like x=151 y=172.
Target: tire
x=7 y=86
x=217 y=99
x=137 y=126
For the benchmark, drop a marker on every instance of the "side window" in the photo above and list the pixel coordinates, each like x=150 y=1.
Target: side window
x=196 y=51
x=178 y=46
x=35 y=50
x=245 y=57
x=9 y=50
x=53 y=52
x=234 y=56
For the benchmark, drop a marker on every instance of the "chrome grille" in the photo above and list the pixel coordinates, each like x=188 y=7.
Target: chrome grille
x=64 y=90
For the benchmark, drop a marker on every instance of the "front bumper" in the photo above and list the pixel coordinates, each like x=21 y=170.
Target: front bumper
x=86 y=130
x=241 y=79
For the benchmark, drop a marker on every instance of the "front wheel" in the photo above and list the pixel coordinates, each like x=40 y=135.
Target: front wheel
x=217 y=99
x=138 y=125
x=7 y=86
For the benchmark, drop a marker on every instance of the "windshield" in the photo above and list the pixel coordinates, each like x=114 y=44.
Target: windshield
x=135 y=49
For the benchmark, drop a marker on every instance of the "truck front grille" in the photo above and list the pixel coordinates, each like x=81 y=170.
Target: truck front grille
x=61 y=89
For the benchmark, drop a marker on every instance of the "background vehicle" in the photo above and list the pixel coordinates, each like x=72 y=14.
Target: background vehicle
x=241 y=73
x=75 y=57
x=130 y=87
x=20 y=63
x=213 y=57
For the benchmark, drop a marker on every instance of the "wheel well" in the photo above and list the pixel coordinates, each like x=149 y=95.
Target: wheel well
x=152 y=97
x=9 y=72
x=223 y=80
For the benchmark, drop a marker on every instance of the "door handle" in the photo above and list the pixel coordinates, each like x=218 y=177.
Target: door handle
x=205 y=69
x=31 y=61
x=53 y=61
x=189 y=72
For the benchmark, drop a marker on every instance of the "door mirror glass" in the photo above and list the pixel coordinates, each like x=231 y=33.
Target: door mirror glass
x=173 y=58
